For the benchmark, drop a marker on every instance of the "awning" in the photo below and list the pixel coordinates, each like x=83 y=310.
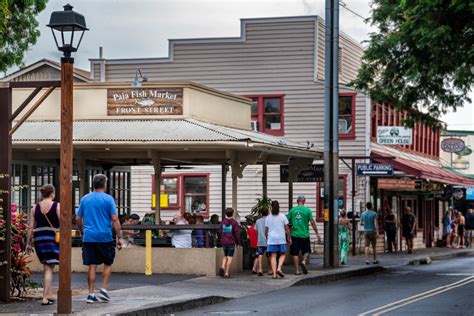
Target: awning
x=423 y=169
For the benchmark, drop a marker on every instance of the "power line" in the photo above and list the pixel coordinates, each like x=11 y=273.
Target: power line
x=344 y=5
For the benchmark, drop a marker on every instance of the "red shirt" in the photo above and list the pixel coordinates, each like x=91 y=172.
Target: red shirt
x=252 y=233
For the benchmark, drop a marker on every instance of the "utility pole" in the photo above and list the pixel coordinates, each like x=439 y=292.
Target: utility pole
x=331 y=135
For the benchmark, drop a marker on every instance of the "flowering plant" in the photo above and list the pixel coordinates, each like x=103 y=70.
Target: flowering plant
x=20 y=272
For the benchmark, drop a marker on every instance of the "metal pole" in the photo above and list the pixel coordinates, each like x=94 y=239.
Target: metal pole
x=353 y=208
x=66 y=167
x=331 y=143
x=5 y=190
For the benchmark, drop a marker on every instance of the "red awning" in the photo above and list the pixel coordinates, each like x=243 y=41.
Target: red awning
x=423 y=170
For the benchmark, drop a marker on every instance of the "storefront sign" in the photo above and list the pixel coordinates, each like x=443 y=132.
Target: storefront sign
x=459 y=194
x=394 y=135
x=398 y=184
x=374 y=169
x=452 y=145
x=313 y=173
x=145 y=101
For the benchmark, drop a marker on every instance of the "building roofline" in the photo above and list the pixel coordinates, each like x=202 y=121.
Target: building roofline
x=218 y=40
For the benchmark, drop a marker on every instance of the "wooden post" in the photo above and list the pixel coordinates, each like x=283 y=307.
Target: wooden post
x=234 y=191
x=223 y=189
x=66 y=153
x=5 y=190
x=264 y=180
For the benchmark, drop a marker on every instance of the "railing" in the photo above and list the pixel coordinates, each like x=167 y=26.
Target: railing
x=161 y=239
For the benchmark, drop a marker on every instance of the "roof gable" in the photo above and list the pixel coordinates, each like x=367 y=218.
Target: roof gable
x=44 y=70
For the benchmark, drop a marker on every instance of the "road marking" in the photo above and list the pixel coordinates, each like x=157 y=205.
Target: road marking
x=418 y=297
x=456 y=274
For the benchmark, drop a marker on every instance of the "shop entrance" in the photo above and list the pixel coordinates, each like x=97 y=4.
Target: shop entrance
x=429 y=209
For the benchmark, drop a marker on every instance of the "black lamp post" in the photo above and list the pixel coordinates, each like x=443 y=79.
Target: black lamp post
x=65 y=25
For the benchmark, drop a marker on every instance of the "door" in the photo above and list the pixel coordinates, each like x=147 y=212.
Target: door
x=429 y=222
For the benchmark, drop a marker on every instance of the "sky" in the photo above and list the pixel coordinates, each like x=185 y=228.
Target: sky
x=141 y=28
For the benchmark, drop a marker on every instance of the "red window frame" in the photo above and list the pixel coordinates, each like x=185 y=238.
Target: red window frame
x=180 y=206
x=320 y=200
x=260 y=117
x=351 y=135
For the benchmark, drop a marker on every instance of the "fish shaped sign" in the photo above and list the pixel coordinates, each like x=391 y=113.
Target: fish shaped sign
x=145 y=101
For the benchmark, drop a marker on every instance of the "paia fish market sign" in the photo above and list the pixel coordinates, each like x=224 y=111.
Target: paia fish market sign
x=145 y=101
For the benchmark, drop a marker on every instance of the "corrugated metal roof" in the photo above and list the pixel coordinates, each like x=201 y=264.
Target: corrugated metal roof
x=142 y=131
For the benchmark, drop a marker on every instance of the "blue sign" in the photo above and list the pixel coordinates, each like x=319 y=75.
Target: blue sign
x=374 y=169
x=469 y=193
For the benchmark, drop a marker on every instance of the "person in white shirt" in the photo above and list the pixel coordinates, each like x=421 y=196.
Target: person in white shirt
x=278 y=234
x=180 y=238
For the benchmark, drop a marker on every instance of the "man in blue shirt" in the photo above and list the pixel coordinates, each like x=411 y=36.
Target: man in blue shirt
x=369 y=220
x=95 y=218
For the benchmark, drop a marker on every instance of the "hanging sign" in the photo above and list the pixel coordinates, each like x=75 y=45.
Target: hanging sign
x=394 y=135
x=145 y=101
x=313 y=173
x=452 y=145
x=398 y=184
x=374 y=169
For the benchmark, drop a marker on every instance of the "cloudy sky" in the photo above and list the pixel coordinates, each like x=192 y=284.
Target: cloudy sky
x=141 y=28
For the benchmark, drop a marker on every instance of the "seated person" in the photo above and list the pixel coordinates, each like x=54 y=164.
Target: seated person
x=128 y=234
x=200 y=234
x=180 y=238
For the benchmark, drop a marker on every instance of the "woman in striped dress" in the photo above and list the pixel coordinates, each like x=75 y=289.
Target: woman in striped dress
x=44 y=222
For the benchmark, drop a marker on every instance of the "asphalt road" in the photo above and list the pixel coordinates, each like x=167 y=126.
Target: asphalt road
x=441 y=288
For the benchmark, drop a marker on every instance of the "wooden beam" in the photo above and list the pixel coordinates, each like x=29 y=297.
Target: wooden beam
x=35 y=84
x=33 y=108
x=24 y=104
x=5 y=190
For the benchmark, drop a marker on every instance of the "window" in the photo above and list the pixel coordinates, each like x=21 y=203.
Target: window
x=195 y=194
x=347 y=116
x=169 y=186
x=267 y=114
x=186 y=192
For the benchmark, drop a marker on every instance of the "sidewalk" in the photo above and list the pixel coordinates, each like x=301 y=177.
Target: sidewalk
x=168 y=294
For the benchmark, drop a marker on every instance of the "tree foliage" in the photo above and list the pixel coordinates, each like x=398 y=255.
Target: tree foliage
x=421 y=58
x=18 y=29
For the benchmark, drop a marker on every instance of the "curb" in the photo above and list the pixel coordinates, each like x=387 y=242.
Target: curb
x=429 y=259
x=339 y=276
x=174 y=307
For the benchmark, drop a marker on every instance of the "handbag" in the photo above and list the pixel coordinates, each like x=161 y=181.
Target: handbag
x=56 y=234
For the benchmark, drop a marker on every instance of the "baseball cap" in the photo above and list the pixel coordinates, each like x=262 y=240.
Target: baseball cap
x=301 y=198
x=135 y=217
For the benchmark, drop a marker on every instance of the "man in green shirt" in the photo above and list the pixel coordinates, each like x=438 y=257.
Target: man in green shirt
x=300 y=217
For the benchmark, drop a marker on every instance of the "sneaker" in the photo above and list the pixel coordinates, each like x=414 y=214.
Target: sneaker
x=104 y=295
x=376 y=262
x=91 y=299
x=367 y=262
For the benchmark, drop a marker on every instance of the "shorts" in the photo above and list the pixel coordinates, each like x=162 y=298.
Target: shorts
x=370 y=239
x=229 y=251
x=461 y=230
x=96 y=253
x=297 y=244
x=408 y=235
x=276 y=248
x=261 y=250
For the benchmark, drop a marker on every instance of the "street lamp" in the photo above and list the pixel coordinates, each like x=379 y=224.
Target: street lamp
x=65 y=25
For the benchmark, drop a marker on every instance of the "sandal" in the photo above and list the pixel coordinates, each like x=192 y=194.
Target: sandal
x=48 y=303
x=260 y=274
x=297 y=273
x=221 y=272
x=303 y=267
x=280 y=274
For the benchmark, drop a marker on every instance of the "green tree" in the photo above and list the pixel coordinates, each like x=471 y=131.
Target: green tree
x=421 y=58
x=18 y=29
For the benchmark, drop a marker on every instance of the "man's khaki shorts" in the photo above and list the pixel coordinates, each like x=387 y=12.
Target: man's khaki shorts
x=370 y=239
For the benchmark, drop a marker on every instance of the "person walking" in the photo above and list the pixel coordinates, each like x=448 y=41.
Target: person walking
x=95 y=218
x=253 y=243
x=469 y=226
x=447 y=230
x=42 y=228
x=278 y=234
x=371 y=231
x=262 y=241
x=409 y=228
x=461 y=226
x=300 y=217
x=343 y=235
x=391 y=230
x=230 y=238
